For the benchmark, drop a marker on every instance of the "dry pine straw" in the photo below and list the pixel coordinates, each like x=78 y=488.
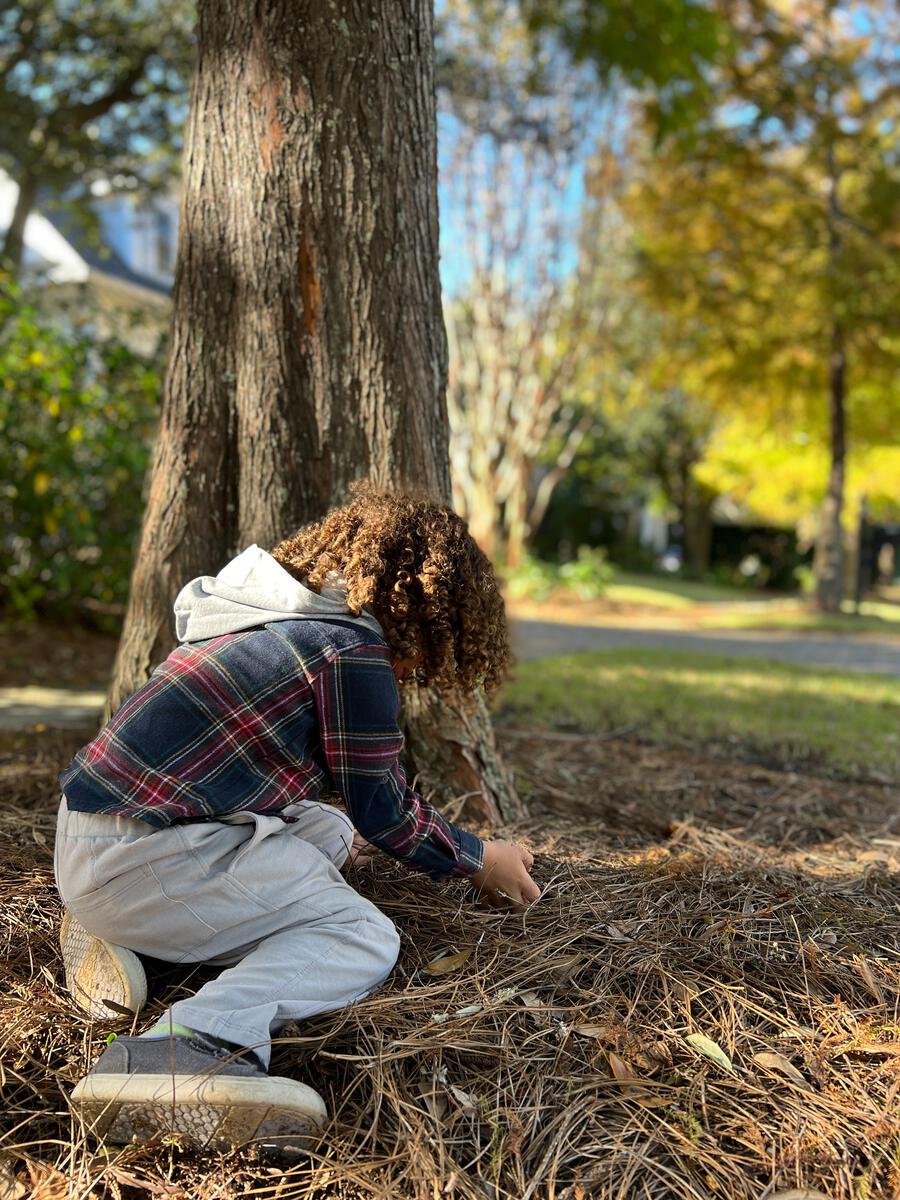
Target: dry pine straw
x=755 y=908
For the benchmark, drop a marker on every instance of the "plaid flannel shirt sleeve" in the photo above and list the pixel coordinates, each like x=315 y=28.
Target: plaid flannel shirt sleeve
x=357 y=702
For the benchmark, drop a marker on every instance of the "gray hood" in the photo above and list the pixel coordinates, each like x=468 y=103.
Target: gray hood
x=253 y=589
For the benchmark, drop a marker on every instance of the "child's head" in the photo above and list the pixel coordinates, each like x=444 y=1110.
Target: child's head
x=415 y=564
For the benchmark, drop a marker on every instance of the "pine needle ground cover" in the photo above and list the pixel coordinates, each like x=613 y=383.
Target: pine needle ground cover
x=704 y=1003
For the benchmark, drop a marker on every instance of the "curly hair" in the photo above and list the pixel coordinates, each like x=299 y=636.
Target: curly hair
x=416 y=566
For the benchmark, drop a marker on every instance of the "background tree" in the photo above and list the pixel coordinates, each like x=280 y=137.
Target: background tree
x=667 y=433
x=89 y=90
x=520 y=330
x=770 y=234
x=308 y=348
x=660 y=47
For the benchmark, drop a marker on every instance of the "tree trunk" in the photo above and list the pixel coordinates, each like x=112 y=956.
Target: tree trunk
x=516 y=519
x=829 y=556
x=698 y=528
x=14 y=241
x=309 y=347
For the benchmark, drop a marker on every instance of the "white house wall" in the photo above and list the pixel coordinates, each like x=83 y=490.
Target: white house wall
x=46 y=252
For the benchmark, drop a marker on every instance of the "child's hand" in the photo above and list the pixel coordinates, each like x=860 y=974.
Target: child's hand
x=503 y=880
x=360 y=852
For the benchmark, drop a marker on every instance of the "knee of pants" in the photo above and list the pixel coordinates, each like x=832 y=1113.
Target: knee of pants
x=388 y=941
x=379 y=936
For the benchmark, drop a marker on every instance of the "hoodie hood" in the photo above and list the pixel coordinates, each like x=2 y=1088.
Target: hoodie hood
x=253 y=589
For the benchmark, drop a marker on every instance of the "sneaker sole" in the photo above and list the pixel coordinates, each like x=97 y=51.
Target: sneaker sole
x=205 y=1110
x=99 y=971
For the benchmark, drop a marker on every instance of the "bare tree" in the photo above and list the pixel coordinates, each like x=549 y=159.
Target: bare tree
x=529 y=317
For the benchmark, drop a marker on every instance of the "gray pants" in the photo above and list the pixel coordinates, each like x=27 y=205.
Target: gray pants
x=262 y=897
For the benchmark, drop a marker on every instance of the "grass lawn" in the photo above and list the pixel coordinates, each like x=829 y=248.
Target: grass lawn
x=846 y=721
x=793 y=616
x=769 y=608
x=663 y=591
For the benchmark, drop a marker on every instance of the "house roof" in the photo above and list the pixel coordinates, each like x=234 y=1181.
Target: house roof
x=102 y=258
x=58 y=241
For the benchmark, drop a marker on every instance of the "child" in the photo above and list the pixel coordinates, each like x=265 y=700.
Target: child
x=190 y=829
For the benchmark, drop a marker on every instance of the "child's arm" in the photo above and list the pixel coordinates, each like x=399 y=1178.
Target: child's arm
x=357 y=705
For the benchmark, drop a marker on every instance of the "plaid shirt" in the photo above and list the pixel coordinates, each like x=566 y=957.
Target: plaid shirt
x=261 y=719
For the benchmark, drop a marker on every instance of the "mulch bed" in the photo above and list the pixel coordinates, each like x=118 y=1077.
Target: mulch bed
x=54 y=654
x=694 y=908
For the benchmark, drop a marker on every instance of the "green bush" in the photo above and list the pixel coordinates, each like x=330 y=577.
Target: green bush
x=805 y=579
x=533 y=579
x=76 y=422
x=588 y=576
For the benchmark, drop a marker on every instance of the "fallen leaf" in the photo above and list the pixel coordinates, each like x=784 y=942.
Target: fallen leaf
x=799 y=1194
x=116 y=1007
x=777 y=1062
x=467 y=1102
x=629 y=1082
x=712 y=1050
x=531 y=1000
x=445 y=963
x=622 y=1070
x=593 y=1031
x=865 y=972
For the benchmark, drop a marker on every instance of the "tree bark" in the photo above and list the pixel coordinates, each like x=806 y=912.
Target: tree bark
x=698 y=528
x=828 y=561
x=308 y=345
x=14 y=241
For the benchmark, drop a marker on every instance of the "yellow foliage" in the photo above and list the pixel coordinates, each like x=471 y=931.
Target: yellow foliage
x=780 y=478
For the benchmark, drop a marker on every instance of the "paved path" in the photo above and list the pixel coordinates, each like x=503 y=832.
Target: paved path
x=26 y=707
x=542 y=639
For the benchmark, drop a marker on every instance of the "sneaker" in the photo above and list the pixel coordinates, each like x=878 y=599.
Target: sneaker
x=98 y=971
x=198 y=1088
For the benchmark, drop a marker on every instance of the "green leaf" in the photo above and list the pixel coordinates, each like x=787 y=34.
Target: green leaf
x=710 y=1049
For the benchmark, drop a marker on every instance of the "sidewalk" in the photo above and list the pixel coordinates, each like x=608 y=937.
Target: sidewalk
x=544 y=639
x=25 y=707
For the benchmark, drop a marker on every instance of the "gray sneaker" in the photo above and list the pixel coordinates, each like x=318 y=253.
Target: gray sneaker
x=141 y=1088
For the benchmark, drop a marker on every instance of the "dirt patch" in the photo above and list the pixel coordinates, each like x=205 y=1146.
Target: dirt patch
x=54 y=655
x=685 y=899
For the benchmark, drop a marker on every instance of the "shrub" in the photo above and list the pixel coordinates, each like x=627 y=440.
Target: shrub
x=76 y=422
x=533 y=579
x=588 y=576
